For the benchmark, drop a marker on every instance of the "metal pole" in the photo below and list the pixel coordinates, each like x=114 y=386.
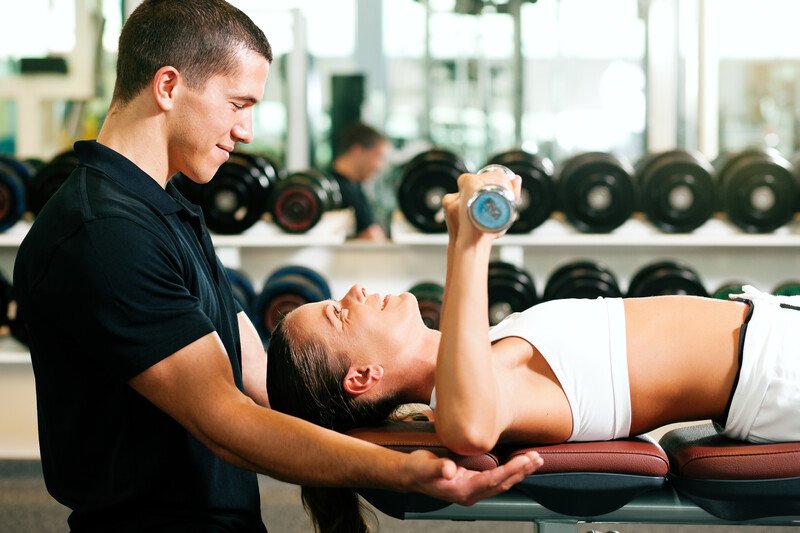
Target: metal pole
x=518 y=98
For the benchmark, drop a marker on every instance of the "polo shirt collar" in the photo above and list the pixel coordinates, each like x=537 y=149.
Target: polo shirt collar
x=123 y=171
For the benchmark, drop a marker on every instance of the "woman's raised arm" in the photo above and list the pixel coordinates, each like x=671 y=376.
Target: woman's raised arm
x=468 y=417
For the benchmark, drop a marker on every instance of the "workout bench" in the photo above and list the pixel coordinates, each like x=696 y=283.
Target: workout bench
x=691 y=475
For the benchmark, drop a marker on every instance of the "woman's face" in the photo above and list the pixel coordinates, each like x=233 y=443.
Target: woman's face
x=365 y=327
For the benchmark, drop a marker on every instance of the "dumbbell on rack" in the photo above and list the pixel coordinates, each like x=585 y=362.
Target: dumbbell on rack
x=510 y=289
x=286 y=289
x=787 y=288
x=726 y=289
x=429 y=295
x=597 y=191
x=49 y=178
x=424 y=181
x=300 y=200
x=538 y=192
x=236 y=197
x=14 y=176
x=678 y=193
x=759 y=189
x=664 y=278
x=581 y=279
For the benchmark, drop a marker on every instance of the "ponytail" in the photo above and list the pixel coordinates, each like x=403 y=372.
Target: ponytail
x=335 y=510
x=303 y=380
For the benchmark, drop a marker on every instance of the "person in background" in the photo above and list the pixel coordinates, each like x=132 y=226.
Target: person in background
x=150 y=379
x=362 y=153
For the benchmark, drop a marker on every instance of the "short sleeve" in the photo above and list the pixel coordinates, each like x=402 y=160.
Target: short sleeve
x=137 y=307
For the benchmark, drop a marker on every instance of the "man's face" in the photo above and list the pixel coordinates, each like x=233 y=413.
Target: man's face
x=208 y=121
x=372 y=160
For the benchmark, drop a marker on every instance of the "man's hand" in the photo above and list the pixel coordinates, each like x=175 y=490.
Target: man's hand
x=443 y=479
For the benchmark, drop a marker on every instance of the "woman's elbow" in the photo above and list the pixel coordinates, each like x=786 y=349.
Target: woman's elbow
x=466 y=439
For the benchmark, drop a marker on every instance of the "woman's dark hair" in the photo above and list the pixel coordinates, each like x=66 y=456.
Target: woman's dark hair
x=303 y=380
x=200 y=38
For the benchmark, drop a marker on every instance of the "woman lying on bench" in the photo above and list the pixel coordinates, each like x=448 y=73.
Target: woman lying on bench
x=564 y=370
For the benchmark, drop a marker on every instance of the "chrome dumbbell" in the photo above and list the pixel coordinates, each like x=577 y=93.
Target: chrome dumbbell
x=492 y=208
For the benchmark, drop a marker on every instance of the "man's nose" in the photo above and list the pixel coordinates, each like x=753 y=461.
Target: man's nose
x=243 y=130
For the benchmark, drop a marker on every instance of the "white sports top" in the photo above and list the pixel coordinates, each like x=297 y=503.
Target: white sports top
x=583 y=341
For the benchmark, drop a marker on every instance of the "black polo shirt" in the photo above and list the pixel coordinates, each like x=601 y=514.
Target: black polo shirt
x=353 y=196
x=115 y=275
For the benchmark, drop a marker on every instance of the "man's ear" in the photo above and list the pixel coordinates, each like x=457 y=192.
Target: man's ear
x=164 y=82
x=359 y=380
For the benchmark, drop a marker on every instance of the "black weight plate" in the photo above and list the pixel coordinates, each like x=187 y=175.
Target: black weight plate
x=431 y=312
x=567 y=269
x=281 y=295
x=303 y=271
x=665 y=278
x=510 y=289
x=12 y=197
x=49 y=179
x=268 y=166
x=429 y=297
x=278 y=307
x=333 y=190
x=298 y=202
x=583 y=279
x=423 y=183
x=678 y=192
x=597 y=192
x=760 y=189
x=538 y=191
x=236 y=197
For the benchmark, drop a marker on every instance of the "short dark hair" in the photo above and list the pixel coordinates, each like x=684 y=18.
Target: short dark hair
x=358 y=134
x=198 y=37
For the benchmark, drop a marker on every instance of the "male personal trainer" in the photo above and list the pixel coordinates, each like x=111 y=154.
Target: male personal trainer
x=150 y=379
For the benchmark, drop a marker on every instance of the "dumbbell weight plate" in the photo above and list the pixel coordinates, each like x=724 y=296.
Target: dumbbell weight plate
x=678 y=190
x=49 y=179
x=280 y=306
x=538 y=191
x=581 y=279
x=726 y=289
x=665 y=278
x=12 y=197
x=597 y=192
x=759 y=189
x=268 y=167
x=305 y=272
x=510 y=289
x=279 y=297
x=301 y=199
x=424 y=182
x=429 y=297
x=236 y=197
x=788 y=288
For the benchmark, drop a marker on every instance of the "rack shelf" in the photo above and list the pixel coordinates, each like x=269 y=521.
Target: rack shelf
x=635 y=232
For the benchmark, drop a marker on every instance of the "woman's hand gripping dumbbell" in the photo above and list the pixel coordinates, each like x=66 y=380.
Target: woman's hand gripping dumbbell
x=487 y=198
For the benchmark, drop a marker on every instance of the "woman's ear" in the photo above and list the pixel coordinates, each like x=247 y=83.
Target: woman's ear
x=164 y=82
x=359 y=380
